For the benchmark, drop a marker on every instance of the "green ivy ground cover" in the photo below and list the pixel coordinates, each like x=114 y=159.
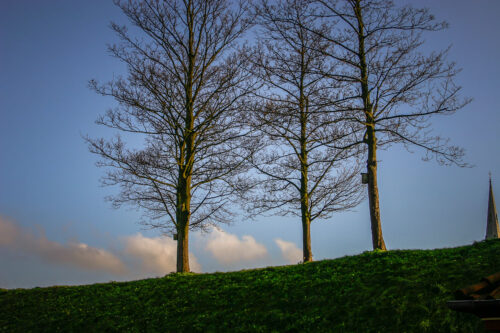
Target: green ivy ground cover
x=394 y=291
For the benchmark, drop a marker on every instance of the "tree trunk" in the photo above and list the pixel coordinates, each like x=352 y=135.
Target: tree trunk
x=183 y=249
x=371 y=166
x=370 y=139
x=183 y=216
x=186 y=155
x=305 y=212
x=304 y=179
x=306 y=238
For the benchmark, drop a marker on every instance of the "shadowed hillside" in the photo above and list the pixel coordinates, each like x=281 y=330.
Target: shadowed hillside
x=394 y=291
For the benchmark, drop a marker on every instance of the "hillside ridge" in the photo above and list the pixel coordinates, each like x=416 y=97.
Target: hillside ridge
x=376 y=291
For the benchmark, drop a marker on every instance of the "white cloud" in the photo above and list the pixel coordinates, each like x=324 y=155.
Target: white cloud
x=158 y=255
x=8 y=233
x=76 y=254
x=289 y=251
x=153 y=256
x=229 y=249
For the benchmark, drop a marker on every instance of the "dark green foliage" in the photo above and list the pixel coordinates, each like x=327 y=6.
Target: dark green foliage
x=394 y=291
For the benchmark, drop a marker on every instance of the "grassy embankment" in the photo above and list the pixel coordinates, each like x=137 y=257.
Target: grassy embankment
x=394 y=291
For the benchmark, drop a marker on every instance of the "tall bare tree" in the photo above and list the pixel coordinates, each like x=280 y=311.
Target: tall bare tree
x=302 y=171
x=397 y=88
x=181 y=96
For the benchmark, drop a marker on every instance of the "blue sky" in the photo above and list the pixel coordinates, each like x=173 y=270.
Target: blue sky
x=56 y=228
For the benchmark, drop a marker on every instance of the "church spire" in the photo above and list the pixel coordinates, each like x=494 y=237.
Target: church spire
x=492 y=230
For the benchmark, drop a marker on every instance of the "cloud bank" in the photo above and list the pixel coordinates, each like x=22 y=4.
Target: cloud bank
x=157 y=255
x=289 y=251
x=150 y=256
x=75 y=254
x=229 y=249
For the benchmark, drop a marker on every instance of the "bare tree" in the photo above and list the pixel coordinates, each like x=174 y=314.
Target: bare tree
x=302 y=172
x=396 y=87
x=181 y=97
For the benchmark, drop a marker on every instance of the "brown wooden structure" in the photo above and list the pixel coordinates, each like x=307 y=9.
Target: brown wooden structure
x=481 y=299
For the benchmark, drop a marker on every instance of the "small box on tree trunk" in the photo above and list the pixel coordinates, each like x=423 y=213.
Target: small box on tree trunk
x=364 y=178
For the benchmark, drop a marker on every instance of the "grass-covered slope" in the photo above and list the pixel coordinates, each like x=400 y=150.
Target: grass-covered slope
x=394 y=291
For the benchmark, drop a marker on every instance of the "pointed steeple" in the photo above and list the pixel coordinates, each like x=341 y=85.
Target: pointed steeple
x=492 y=230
